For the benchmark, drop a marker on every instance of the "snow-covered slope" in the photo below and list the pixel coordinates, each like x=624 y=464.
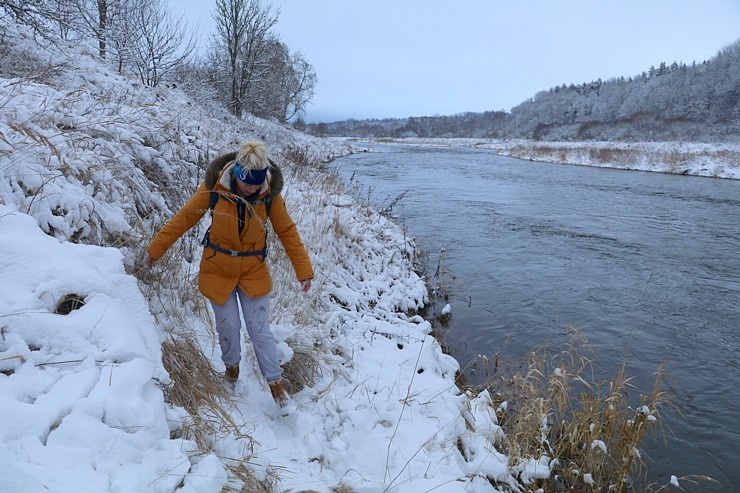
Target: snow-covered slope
x=91 y=164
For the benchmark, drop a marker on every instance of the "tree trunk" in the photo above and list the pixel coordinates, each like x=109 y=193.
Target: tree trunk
x=102 y=27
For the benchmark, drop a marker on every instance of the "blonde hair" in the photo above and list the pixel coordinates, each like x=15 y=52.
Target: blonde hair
x=253 y=155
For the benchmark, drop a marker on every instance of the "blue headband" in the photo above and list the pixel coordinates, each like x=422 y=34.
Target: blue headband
x=250 y=176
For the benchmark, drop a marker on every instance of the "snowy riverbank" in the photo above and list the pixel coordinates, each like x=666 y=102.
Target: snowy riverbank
x=684 y=158
x=91 y=164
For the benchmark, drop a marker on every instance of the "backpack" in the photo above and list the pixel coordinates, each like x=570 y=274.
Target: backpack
x=213 y=171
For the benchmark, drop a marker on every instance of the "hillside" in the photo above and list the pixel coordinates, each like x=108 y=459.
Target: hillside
x=699 y=102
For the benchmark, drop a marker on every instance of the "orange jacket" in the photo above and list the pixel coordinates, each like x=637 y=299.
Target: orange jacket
x=220 y=273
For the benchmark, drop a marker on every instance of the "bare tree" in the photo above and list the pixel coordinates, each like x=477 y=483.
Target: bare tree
x=93 y=21
x=299 y=87
x=288 y=85
x=163 y=42
x=102 y=26
x=34 y=13
x=242 y=28
x=66 y=14
x=123 y=31
x=267 y=99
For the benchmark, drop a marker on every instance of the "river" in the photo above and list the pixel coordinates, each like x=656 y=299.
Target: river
x=645 y=265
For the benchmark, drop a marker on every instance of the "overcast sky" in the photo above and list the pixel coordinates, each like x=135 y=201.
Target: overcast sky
x=399 y=58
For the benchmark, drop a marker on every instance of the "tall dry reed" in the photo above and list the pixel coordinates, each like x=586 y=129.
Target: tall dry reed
x=589 y=431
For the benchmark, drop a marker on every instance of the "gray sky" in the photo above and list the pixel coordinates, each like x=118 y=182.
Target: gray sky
x=399 y=58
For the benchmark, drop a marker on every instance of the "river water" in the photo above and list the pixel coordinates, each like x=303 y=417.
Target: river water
x=645 y=265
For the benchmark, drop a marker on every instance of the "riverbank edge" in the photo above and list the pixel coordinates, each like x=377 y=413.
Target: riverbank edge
x=436 y=312
x=712 y=160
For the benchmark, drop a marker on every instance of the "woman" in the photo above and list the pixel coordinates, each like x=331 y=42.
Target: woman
x=242 y=190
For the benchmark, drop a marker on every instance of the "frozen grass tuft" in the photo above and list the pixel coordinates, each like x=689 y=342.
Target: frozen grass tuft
x=197 y=388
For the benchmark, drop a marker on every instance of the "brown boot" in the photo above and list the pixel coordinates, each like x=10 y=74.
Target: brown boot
x=232 y=373
x=278 y=393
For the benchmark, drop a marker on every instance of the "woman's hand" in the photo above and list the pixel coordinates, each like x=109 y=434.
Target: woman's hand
x=150 y=262
x=306 y=285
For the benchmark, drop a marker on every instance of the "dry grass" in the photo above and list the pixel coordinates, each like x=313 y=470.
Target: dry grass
x=173 y=284
x=199 y=389
x=202 y=392
x=247 y=481
x=588 y=429
x=303 y=370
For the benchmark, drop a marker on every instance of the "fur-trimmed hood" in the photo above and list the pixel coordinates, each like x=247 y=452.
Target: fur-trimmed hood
x=219 y=171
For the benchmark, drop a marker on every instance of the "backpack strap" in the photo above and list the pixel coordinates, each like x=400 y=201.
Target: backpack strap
x=206 y=242
x=212 y=201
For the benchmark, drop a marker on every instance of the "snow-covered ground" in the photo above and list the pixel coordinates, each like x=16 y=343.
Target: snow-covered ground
x=83 y=409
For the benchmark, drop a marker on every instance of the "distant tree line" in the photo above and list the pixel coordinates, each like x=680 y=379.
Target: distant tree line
x=246 y=67
x=697 y=102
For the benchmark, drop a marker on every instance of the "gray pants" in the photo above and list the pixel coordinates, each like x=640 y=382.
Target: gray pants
x=256 y=312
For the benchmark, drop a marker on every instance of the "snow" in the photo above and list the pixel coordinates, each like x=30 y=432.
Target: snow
x=81 y=409
x=600 y=444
